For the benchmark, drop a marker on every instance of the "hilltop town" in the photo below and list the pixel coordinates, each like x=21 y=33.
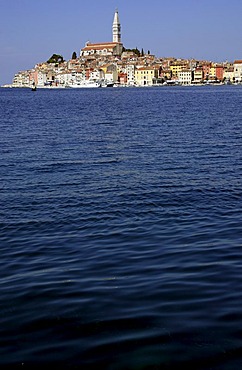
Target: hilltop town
x=110 y=63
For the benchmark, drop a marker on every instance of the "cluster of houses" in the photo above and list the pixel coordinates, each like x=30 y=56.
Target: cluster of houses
x=129 y=69
x=110 y=63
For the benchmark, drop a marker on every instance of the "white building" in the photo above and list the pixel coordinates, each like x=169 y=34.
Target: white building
x=21 y=79
x=130 y=70
x=97 y=75
x=185 y=77
x=229 y=74
x=238 y=70
x=42 y=78
x=111 y=73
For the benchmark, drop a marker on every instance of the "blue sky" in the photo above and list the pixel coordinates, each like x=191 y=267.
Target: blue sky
x=32 y=30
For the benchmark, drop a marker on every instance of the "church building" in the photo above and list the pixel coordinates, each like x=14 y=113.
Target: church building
x=106 y=48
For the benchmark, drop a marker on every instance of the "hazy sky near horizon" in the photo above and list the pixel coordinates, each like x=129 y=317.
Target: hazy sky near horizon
x=32 y=30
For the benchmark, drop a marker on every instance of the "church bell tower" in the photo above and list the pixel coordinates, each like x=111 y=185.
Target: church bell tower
x=116 y=28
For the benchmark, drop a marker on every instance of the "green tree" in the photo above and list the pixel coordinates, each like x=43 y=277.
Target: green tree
x=74 y=56
x=56 y=58
x=136 y=50
x=142 y=52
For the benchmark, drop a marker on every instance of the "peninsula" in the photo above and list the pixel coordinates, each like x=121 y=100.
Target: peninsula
x=111 y=64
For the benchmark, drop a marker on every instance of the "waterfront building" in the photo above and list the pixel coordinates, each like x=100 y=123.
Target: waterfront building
x=97 y=75
x=206 y=69
x=185 y=76
x=120 y=67
x=111 y=73
x=78 y=76
x=212 y=73
x=198 y=75
x=165 y=74
x=145 y=76
x=62 y=78
x=177 y=67
x=130 y=69
x=229 y=74
x=122 y=78
x=219 y=72
x=21 y=79
x=238 y=70
x=106 y=48
x=33 y=77
x=41 y=77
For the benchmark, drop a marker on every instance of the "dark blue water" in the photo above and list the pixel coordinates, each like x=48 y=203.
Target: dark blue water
x=121 y=228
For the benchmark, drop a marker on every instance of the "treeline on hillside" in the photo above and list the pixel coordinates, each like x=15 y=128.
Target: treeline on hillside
x=136 y=51
x=57 y=58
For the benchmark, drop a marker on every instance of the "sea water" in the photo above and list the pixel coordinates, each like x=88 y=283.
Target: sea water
x=121 y=228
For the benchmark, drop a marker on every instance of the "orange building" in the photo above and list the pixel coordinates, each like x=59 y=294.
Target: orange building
x=122 y=78
x=206 y=70
x=219 y=70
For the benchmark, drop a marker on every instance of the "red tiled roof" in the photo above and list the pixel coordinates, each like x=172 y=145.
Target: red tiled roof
x=99 y=46
x=147 y=68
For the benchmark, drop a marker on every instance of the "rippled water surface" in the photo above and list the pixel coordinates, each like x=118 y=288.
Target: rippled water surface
x=121 y=228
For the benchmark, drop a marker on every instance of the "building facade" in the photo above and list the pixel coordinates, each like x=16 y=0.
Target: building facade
x=198 y=75
x=177 y=67
x=185 y=76
x=238 y=70
x=219 y=70
x=130 y=74
x=145 y=76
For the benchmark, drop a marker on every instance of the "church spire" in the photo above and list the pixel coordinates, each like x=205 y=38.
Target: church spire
x=116 y=28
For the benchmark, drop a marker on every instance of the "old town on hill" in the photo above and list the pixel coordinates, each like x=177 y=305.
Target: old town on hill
x=111 y=64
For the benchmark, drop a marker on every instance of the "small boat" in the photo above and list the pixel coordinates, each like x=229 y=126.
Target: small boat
x=85 y=84
x=107 y=83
